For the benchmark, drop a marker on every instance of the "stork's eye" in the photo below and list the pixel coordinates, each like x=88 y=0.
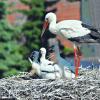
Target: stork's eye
x=46 y=19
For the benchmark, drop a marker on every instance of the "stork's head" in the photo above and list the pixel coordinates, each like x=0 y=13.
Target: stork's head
x=43 y=50
x=48 y=19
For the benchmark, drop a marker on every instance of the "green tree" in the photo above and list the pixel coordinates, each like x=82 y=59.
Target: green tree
x=11 y=58
x=32 y=28
x=17 y=42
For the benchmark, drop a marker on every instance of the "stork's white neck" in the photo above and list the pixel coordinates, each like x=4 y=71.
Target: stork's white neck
x=52 y=27
x=42 y=57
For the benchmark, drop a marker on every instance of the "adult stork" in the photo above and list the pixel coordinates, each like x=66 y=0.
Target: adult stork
x=73 y=30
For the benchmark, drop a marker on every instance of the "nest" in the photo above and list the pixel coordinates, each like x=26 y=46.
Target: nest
x=25 y=87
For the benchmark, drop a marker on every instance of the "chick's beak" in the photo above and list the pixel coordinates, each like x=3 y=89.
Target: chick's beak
x=45 y=25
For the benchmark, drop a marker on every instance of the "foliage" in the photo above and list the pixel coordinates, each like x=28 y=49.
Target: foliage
x=67 y=50
x=13 y=50
x=32 y=28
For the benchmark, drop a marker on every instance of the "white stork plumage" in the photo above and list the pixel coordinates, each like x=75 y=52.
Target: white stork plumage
x=74 y=30
x=45 y=69
x=43 y=59
x=49 y=69
x=69 y=29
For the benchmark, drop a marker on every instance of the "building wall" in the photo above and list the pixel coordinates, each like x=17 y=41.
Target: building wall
x=16 y=18
x=68 y=10
x=86 y=12
x=91 y=51
x=65 y=9
x=90 y=14
x=95 y=12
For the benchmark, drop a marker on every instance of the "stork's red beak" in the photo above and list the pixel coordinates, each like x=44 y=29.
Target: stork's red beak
x=45 y=25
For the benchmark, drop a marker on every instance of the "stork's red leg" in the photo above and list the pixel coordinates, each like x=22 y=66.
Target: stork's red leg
x=76 y=61
x=77 y=66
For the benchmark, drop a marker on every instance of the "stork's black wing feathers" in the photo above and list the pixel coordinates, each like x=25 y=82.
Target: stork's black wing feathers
x=92 y=28
x=93 y=37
